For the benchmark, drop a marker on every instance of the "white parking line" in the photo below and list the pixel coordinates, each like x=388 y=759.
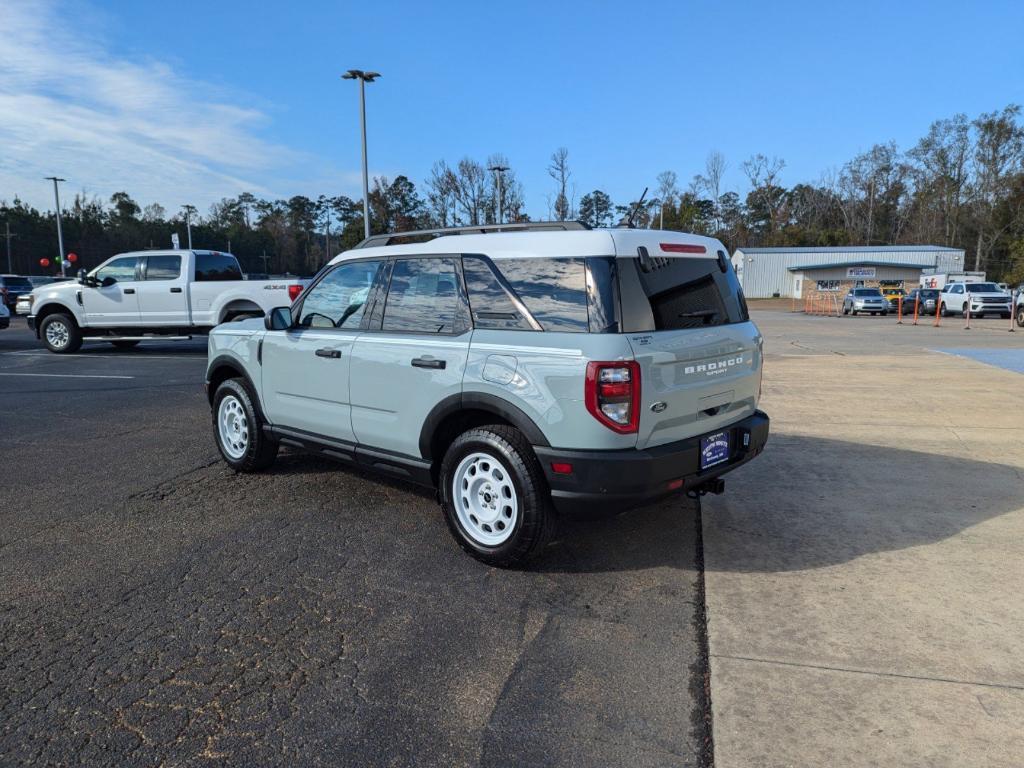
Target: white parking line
x=67 y=375
x=34 y=353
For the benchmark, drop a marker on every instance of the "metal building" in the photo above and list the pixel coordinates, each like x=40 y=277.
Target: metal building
x=767 y=272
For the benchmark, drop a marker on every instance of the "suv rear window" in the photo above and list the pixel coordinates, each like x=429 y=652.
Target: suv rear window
x=17 y=283
x=679 y=292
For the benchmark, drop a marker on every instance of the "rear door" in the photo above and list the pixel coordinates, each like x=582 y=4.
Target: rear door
x=412 y=356
x=700 y=357
x=306 y=369
x=163 y=300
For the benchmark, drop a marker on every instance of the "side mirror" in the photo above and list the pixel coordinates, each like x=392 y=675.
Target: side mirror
x=278 y=319
x=81 y=276
x=107 y=281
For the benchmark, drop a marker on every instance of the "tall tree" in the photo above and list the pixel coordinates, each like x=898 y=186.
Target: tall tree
x=559 y=171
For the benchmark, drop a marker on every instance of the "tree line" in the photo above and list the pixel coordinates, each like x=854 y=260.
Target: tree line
x=960 y=185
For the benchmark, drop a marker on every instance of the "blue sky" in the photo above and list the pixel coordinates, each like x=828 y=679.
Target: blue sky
x=194 y=101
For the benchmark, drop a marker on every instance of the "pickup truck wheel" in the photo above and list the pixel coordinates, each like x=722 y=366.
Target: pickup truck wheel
x=1020 y=317
x=124 y=344
x=60 y=334
x=494 y=496
x=238 y=429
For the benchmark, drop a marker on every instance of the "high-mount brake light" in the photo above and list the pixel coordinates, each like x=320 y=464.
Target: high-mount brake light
x=294 y=291
x=612 y=394
x=682 y=248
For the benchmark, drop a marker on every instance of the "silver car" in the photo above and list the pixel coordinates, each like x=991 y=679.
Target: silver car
x=865 y=300
x=522 y=370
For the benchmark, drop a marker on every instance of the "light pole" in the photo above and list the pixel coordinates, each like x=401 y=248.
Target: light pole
x=498 y=171
x=7 y=235
x=60 y=233
x=189 y=210
x=363 y=78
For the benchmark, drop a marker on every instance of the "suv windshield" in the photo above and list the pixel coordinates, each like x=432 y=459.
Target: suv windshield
x=869 y=292
x=983 y=288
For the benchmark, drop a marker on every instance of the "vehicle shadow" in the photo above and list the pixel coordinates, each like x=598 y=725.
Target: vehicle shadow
x=811 y=502
x=807 y=502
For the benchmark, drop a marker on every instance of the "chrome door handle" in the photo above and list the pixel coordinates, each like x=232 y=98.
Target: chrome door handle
x=334 y=354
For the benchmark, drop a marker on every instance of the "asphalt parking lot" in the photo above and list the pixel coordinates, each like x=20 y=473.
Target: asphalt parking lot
x=158 y=609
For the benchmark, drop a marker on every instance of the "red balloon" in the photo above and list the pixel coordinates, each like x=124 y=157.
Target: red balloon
x=44 y=262
x=72 y=257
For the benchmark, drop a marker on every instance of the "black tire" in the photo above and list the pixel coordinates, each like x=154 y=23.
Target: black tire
x=853 y=312
x=242 y=316
x=943 y=311
x=259 y=450
x=127 y=344
x=846 y=310
x=873 y=314
x=60 y=333
x=535 y=521
x=1020 y=316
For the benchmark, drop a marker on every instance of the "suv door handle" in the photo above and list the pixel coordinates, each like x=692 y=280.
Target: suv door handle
x=176 y=290
x=428 y=362
x=334 y=354
x=129 y=290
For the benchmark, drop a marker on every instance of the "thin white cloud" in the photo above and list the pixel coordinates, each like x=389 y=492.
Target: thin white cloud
x=73 y=108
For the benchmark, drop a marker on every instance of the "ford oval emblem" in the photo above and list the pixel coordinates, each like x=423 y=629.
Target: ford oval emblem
x=659 y=406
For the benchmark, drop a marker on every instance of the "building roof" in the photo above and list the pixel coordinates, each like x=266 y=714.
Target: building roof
x=809 y=267
x=854 y=249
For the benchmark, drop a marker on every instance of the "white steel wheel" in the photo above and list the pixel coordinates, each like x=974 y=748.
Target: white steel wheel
x=57 y=334
x=485 y=499
x=232 y=427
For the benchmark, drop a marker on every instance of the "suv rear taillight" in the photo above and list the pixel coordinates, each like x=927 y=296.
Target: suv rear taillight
x=613 y=394
x=294 y=291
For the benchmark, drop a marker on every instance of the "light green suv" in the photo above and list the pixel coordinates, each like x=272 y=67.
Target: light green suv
x=525 y=371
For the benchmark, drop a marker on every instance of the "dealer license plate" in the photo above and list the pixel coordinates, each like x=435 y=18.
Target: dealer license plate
x=714 y=449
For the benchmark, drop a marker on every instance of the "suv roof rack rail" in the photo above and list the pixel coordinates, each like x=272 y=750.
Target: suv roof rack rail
x=480 y=229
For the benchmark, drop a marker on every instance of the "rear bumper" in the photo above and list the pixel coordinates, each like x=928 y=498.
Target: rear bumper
x=619 y=480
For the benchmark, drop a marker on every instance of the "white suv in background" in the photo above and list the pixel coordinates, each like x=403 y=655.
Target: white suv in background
x=982 y=299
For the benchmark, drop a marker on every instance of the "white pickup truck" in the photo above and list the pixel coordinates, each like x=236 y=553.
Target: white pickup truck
x=152 y=295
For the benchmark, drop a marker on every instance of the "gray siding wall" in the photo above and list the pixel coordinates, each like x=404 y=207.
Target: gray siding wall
x=764 y=273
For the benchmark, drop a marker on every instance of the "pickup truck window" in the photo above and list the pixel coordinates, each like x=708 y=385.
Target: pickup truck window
x=119 y=269
x=163 y=267
x=216 y=266
x=339 y=299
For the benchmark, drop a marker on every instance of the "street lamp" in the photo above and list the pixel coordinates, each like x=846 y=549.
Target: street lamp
x=60 y=233
x=498 y=171
x=363 y=78
x=189 y=210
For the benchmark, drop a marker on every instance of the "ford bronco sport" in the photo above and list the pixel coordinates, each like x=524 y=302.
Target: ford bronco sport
x=522 y=370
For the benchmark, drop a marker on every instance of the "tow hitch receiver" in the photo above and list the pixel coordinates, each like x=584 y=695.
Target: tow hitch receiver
x=715 y=485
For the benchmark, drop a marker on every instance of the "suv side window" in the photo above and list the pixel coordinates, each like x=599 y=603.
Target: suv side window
x=119 y=269
x=493 y=305
x=163 y=267
x=216 y=266
x=338 y=300
x=553 y=290
x=423 y=296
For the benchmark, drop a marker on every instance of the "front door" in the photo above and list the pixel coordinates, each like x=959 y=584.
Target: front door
x=115 y=304
x=163 y=300
x=415 y=359
x=306 y=369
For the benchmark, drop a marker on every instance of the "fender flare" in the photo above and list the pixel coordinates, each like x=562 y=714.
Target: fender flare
x=480 y=401
x=227 y=361
x=53 y=306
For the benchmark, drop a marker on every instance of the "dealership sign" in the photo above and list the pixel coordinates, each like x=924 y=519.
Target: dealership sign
x=860 y=272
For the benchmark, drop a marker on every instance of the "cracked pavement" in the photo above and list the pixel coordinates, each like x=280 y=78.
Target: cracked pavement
x=158 y=609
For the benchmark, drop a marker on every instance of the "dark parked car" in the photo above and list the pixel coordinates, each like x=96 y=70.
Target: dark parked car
x=927 y=298
x=11 y=287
